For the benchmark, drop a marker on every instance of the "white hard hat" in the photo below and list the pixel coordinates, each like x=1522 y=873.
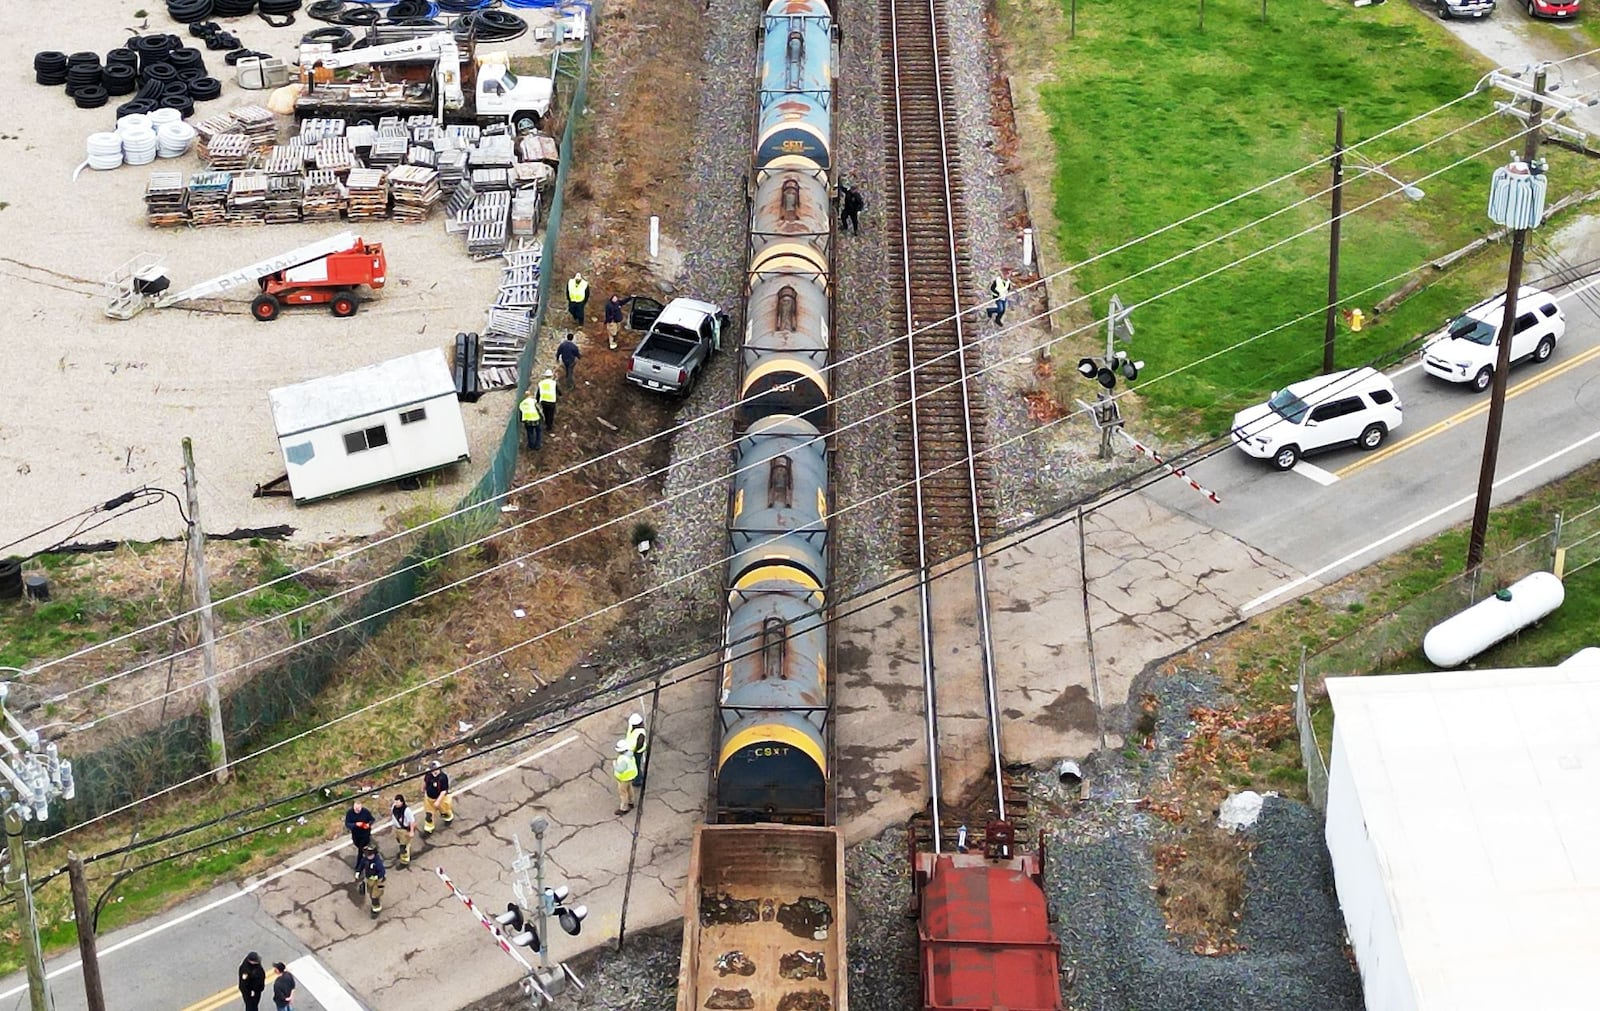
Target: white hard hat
x=636 y=720
x=435 y=765
x=549 y=373
x=622 y=746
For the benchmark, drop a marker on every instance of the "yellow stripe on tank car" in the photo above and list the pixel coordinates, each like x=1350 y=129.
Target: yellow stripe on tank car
x=780 y=736
x=822 y=504
x=803 y=369
x=786 y=573
x=738 y=503
x=804 y=163
x=799 y=249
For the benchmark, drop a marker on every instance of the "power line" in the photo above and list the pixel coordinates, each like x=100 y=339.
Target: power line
x=887 y=343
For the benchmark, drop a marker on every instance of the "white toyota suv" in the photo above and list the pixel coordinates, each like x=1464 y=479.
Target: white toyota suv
x=1464 y=351
x=1356 y=406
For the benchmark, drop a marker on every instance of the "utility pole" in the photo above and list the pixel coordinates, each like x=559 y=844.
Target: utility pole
x=1330 y=323
x=1521 y=216
x=208 y=625
x=32 y=774
x=83 y=916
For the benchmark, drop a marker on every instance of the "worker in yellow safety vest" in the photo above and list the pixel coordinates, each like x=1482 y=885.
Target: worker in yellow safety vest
x=626 y=770
x=547 y=398
x=577 y=297
x=532 y=420
x=638 y=741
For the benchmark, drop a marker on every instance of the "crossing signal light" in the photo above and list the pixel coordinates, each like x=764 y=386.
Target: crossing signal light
x=520 y=932
x=570 y=917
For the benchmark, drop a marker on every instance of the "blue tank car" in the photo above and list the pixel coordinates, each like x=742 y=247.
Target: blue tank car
x=795 y=107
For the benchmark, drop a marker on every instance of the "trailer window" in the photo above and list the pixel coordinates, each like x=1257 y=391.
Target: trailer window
x=367 y=438
x=413 y=416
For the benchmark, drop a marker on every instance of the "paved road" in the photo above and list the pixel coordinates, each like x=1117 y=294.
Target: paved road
x=1344 y=509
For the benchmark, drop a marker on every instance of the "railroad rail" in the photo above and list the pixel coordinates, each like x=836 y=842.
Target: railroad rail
x=951 y=489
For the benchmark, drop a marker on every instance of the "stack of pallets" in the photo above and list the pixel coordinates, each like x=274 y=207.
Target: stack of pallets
x=283 y=199
x=464 y=135
x=247 y=198
x=334 y=155
x=208 y=197
x=314 y=130
x=209 y=129
x=369 y=194
x=165 y=200
x=260 y=126
x=228 y=152
x=416 y=190
x=525 y=211
x=421 y=154
x=320 y=200
x=485 y=179
x=284 y=160
x=486 y=222
x=497 y=150
x=452 y=166
x=387 y=151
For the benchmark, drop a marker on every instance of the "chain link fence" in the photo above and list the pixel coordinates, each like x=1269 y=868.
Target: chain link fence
x=1392 y=642
x=318 y=641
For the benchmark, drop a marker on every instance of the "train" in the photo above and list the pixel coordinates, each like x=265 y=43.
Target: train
x=764 y=918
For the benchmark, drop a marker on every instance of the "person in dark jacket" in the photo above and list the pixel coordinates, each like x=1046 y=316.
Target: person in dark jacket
x=373 y=876
x=436 y=797
x=567 y=353
x=282 y=987
x=252 y=980
x=614 y=306
x=358 y=822
x=851 y=204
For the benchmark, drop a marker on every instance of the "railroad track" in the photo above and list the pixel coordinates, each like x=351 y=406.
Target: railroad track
x=944 y=424
x=943 y=428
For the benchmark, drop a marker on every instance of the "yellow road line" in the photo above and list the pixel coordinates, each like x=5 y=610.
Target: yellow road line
x=220 y=999
x=1482 y=406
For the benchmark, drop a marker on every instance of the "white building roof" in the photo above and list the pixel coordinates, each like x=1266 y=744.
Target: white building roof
x=1481 y=795
x=369 y=390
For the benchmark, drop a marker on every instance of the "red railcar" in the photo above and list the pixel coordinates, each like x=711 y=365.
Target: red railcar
x=984 y=930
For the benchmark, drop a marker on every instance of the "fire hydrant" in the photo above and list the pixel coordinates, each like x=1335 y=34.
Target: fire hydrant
x=1355 y=318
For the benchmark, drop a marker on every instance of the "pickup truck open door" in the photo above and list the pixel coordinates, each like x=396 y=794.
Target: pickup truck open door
x=643 y=312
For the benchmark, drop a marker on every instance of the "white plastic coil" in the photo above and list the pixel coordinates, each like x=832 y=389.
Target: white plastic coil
x=161 y=117
x=174 y=139
x=139 y=146
x=105 y=151
x=133 y=121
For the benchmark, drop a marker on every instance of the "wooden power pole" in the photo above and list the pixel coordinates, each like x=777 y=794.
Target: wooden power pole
x=1331 y=320
x=208 y=625
x=83 y=916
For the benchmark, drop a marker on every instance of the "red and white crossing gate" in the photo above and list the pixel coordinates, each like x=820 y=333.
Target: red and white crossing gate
x=532 y=978
x=1177 y=472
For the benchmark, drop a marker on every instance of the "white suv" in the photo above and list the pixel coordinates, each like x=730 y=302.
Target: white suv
x=1357 y=406
x=1464 y=351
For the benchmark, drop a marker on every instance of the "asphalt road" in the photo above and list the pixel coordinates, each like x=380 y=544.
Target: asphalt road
x=1345 y=508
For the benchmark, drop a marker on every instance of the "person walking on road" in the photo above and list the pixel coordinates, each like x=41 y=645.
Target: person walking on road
x=532 y=420
x=405 y=823
x=577 y=296
x=614 y=306
x=252 y=981
x=1000 y=289
x=282 y=987
x=358 y=822
x=373 y=877
x=568 y=353
x=626 y=770
x=436 y=798
x=851 y=204
x=547 y=399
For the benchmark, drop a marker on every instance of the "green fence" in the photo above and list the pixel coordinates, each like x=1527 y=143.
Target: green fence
x=179 y=749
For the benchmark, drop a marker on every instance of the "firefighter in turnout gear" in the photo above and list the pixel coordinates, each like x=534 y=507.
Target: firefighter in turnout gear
x=436 y=798
x=373 y=877
x=405 y=823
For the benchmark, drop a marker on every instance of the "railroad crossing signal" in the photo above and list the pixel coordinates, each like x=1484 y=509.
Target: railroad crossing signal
x=1104 y=370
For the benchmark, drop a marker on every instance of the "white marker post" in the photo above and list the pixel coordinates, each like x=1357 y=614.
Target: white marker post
x=1027 y=247
x=655 y=236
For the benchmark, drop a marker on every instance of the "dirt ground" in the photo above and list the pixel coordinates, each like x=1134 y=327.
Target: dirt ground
x=98 y=406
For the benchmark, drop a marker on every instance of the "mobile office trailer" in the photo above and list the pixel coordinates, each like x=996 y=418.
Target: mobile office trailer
x=384 y=422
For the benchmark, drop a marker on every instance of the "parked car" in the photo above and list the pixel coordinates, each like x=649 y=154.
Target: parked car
x=679 y=341
x=1464 y=8
x=1552 y=9
x=1465 y=351
x=1354 y=407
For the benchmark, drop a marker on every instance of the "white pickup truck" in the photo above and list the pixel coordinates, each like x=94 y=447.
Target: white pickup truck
x=680 y=338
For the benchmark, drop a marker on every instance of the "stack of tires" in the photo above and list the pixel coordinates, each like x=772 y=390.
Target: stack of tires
x=157 y=71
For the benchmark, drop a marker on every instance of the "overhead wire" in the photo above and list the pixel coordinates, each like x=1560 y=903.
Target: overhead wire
x=390 y=538
x=643 y=509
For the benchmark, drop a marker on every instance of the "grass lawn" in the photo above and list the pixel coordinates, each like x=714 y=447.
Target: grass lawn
x=1154 y=119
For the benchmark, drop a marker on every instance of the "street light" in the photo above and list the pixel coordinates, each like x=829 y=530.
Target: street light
x=1368 y=167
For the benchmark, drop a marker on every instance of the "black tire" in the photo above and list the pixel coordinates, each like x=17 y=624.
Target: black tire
x=1444 y=11
x=265 y=307
x=344 y=305
x=1286 y=458
x=1372 y=436
x=1546 y=348
x=1481 y=381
